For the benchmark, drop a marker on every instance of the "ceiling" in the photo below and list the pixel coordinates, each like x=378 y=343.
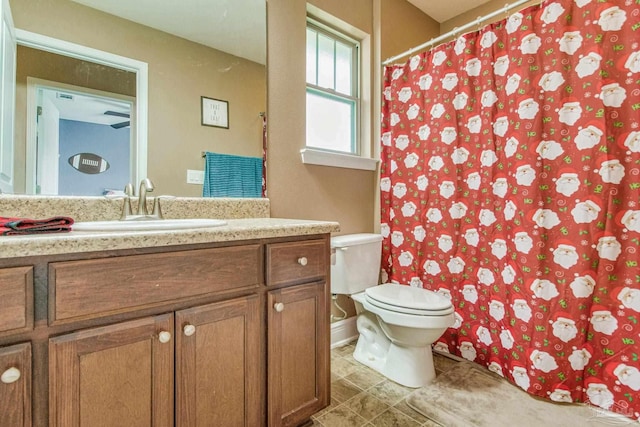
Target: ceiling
x=86 y=108
x=237 y=27
x=443 y=10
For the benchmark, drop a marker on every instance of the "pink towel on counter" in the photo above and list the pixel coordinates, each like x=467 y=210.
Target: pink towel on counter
x=18 y=226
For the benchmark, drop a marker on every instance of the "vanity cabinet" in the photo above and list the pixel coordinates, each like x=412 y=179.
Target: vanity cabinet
x=220 y=334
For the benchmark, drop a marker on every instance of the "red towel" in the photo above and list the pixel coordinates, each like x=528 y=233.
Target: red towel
x=17 y=226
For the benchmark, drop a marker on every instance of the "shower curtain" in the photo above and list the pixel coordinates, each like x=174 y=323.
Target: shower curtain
x=510 y=183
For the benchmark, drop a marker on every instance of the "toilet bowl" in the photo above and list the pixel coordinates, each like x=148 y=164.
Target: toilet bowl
x=396 y=323
x=408 y=330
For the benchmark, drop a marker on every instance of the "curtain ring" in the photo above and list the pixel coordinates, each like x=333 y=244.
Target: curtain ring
x=506 y=10
x=478 y=22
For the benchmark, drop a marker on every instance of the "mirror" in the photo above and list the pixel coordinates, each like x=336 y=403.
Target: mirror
x=228 y=64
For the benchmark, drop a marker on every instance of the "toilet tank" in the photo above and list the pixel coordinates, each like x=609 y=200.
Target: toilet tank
x=355 y=262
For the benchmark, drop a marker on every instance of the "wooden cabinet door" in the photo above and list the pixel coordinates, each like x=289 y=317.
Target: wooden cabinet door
x=218 y=365
x=15 y=385
x=116 y=375
x=297 y=353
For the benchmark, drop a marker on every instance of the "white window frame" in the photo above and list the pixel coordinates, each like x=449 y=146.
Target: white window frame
x=351 y=99
x=362 y=160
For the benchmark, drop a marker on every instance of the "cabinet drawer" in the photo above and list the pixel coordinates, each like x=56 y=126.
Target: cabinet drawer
x=296 y=262
x=16 y=299
x=94 y=288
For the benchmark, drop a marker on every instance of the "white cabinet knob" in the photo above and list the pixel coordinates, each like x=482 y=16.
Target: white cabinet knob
x=302 y=261
x=164 y=337
x=278 y=307
x=189 y=330
x=11 y=375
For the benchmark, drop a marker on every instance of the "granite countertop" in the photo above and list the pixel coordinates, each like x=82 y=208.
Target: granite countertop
x=234 y=230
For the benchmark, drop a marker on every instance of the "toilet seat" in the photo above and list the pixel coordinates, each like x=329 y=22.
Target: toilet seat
x=407 y=310
x=427 y=310
x=408 y=300
x=425 y=321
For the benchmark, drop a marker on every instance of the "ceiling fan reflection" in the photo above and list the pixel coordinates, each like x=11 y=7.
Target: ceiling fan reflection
x=117 y=114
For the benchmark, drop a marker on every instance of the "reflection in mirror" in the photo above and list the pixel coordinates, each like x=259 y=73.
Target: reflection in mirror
x=67 y=99
x=180 y=72
x=88 y=134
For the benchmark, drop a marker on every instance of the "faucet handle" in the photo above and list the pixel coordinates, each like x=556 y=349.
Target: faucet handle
x=128 y=189
x=157 y=208
x=126 y=206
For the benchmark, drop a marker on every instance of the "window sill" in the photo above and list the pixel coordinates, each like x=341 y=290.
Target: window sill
x=338 y=160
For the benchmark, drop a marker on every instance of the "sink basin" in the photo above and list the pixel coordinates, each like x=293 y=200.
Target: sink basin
x=147 y=225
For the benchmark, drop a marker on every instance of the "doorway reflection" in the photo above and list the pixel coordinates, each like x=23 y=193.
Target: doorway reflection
x=83 y=142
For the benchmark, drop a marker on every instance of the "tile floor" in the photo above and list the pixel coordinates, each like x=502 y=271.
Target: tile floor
x=362 y=397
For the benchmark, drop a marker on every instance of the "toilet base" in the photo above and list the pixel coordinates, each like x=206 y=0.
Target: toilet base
x=408 y=366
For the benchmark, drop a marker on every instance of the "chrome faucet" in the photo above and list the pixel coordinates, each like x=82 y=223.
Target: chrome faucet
x=145 y=186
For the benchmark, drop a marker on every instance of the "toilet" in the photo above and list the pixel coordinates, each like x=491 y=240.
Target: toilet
x=396 y=323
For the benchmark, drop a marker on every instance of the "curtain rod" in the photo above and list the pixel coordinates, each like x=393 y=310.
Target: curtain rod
x=456 y=30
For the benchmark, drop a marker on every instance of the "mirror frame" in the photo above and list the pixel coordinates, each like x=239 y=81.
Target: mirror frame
x=61 y=47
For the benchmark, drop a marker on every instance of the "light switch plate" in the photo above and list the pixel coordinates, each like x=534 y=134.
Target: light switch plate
x=195 y=176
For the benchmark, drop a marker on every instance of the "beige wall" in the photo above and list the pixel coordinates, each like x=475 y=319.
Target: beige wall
x=404 y=26
x=297 y=190
x=64 y=69
x=179 y=73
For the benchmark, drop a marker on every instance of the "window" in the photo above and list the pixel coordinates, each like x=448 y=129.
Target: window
x=339 y=76
x=333 y=87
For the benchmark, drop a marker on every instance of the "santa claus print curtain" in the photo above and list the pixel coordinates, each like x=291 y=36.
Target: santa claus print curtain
x=510 y=183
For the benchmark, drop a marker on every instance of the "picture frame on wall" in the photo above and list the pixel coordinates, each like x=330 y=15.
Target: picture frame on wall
x=215 y=112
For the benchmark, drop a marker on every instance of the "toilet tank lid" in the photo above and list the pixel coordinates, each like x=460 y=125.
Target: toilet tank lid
x=354 y=239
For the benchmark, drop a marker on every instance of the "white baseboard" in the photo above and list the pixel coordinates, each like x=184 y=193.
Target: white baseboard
x=343 y=332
